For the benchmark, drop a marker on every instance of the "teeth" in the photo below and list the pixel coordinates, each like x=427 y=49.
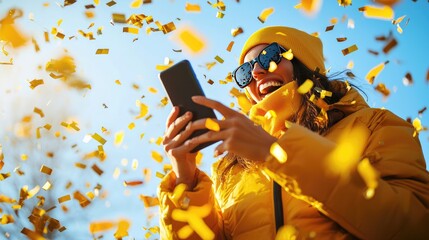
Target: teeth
x=266 y=85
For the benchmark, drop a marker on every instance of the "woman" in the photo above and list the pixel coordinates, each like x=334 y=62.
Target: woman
x=346 y=170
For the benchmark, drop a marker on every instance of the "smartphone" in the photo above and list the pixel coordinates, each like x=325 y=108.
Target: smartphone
x=181 y=84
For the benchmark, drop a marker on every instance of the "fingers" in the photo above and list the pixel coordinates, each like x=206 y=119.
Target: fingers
x=222 y=109
x=172 y=116
x=178 y=124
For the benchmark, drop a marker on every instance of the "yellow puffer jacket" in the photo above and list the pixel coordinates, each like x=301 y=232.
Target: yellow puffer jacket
x=325 y=184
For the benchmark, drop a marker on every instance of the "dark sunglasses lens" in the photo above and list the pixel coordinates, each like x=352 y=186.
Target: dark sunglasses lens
x=270 y=53
x=243 y=75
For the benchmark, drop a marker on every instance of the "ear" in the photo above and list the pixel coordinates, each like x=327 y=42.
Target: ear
x=249 y=97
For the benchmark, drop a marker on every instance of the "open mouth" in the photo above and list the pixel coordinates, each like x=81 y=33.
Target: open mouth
x=269 y=87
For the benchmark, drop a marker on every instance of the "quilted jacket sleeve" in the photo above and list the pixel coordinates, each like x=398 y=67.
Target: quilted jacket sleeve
x=201 y=195
x=316 y=173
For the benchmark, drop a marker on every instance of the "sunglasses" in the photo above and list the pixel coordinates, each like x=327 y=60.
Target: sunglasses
x=272 y=53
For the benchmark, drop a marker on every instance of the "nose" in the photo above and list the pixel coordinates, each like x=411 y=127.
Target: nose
x=258 y=71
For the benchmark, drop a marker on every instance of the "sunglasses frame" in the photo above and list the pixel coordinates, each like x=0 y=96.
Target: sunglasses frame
x=252 y=62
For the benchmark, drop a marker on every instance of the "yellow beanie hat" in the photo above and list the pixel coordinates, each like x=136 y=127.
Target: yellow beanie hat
x=305 y=47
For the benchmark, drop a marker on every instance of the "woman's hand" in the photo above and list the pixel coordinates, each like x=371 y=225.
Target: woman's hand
x=238 y=133
x=182 y=161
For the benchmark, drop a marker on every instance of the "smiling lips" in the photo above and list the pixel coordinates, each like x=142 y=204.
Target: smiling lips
x=269 y=87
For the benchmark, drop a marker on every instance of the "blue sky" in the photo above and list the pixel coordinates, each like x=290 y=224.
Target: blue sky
x=134 y=62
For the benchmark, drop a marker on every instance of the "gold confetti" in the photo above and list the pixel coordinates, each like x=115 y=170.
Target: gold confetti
x=370 y=177
x=117 y=81
x=6 y=219
x=311 y=6
x=143 y=109
x=341 y=39
x=98 y=138
x=408 y=79
x=380 y=12
x=305 y=87
x=220 y=14
x=287 y=232
x=344 y=3
x=153 y=90
x=212 y=125
x=102 y=51
x=133 y=183
x=236 y=31
x=97 y=169
x=229 y=48
x=39 y=111
x=191 y=40
x=329 y=28
x=64 y=198
x=278 y=152
x=130 y=30
x=272 y=67
x=219 y=59
x=119 y=18
x=156 y=156
x=47 y=186
x=288 y=54
x=46 y=170
x=382 y=89
x=122 y=231
x=265 y=14
x=101 y=226
x=398 y=20
x=149 y=201
x=111 y=3
x=24 y=157
x=131 y=126
x=36 y=82
x=373 y=73
x=119 y=137
x=8 y=31
x=349 y=49
x=159 y=175
x=390 y=45
x=189 y=7
x=80 y=165
x=136 y=3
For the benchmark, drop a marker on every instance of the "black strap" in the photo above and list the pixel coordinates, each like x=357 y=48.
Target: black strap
x=278 y=206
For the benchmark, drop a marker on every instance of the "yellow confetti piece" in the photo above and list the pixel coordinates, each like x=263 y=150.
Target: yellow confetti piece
x=101 y=226
x=159 y=175
x=212 y=125
x=288 y=54
x=220 y=14
x=229 y=48
x=6 y=219
x=143 y=109
x=373 y=73
x=398 y=20
x=191 y=40
x=24 y=157
x=119 y=137
x=130 y=30
x=80 y=165
x=111 y=3
x=189 y=7
x=236 y=31
x=102 y=51
x=119 y=18
x=344 y=3
x=287 y=232
x=242 y=100
x=219 y=59
x=47 y=186
x=350 y=64
x=8 y=31
x=36 y=82
x=74 y=126
x=46 y=170
x=64 y=198
x=349 y=50
x=153 y=90
x=98 y=138
x=122 y=230
x=278 y=152
x=136 y=3
x=370 y=177
x=381 y=12
x=60 y=35
x=305 y=87
x=117 y=81
x=131 y=126
x=156 y=156
x=149 y=201
x=272 y=67
x=265 y=14
x=311 y=6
